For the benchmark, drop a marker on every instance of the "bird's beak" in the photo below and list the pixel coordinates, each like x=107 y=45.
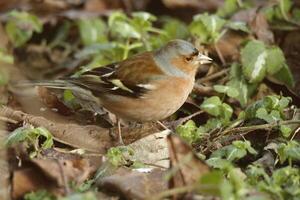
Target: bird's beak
x=203 y=59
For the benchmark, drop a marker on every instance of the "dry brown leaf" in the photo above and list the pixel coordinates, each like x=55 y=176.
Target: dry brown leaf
x=186 y=167
x=259 y=25
x=229 y=45
x=152 y=149
x=4 y=166
x=30 y=179
x=134 y=184
x=65 y=171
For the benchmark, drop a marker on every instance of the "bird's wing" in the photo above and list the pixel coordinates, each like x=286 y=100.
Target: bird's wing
x=131 y=77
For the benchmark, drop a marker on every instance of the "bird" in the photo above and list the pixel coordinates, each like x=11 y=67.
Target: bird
x=149 y=86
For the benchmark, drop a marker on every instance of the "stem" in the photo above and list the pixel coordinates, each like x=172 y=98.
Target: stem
x=219 y=54
x=126 y=50
x=213 y=76
x=5 y=119
x=262 y=126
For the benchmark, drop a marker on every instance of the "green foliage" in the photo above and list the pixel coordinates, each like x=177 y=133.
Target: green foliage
x=207 y=27
x=253 y=57
x=283 y=184
x=285 y=76
x=222 y=113
x=128 y=35
x=39 y=195
x=215 y=107
x=5 y=57
x=258 y=60
x=174 y=29
x=289 y=150
x=189 y=132
x=233 y=152
x=92 y=31
x=21 y=26
x=238 y=82
x=230 y=91
x=228 y=8
x=280 y=10
x=270 y=109
x=210 y=28
x=118 y=156
x=31 y=136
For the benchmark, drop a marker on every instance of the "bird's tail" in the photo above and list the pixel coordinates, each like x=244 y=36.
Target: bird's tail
x=55 y=84
x=51 y=84
x=84 y=97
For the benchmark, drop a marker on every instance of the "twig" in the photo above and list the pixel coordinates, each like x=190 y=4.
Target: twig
x=213 y=76
x=220 y=54
x=256 y=127
x=184 y=119
x=203 y=90
x=5 y=119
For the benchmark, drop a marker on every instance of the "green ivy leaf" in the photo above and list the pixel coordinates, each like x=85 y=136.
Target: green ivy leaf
x=92 y=31
x=285 y=131
x=230 y=91
x=285 y=76
x=238 y=26
x=228 y=8
x=226 y=112
x=253 y=57
x=17 y=136
x=20 y=27
x=212 y=106
x=188 y=131
x=218 y=163
x=41 y=131
x=207 y=27
x=144 y=16
x=275 y=60
x=174 y=28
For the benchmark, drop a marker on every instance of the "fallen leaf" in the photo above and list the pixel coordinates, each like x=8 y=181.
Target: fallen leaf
x=186 y=167
x=132 y=184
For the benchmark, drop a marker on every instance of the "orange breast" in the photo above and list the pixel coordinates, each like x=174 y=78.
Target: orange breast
x=167 y=97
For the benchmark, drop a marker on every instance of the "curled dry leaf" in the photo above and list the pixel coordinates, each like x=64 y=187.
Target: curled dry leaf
x=261 y=28
x=186 y=166
x=229 y=45
x=257 y=22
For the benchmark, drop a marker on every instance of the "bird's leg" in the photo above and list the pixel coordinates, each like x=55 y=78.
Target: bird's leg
x=120 y=132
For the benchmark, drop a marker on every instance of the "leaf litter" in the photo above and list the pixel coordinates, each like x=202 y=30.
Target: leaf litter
x=238 y=131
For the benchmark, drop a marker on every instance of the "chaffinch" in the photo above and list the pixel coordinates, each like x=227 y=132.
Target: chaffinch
x=145 y=87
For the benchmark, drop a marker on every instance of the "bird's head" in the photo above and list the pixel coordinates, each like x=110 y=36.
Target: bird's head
x=181 y=54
